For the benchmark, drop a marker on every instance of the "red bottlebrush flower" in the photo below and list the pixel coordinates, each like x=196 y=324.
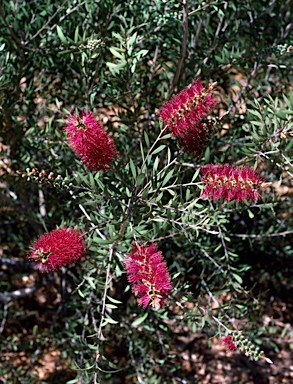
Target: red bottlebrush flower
x=229 y=183
x=194 y=140
x=187 y=108
x=90 y=142
x=57 y=248
x=148 y=274
x=229 y=344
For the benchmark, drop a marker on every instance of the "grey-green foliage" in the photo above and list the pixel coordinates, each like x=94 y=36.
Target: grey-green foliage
x=118 y=59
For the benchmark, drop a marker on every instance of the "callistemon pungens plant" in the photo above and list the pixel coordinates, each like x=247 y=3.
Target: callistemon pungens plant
x=237 y=341
x=57 y=248
x=186 y=109
x=227 y=182
x=148 y=275
x=90 y=142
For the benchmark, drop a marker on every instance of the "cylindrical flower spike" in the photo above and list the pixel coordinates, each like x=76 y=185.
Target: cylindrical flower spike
x=90 y=142
x=194 y=139
x=148 y=275
x=227 y=182
x=237 y=341
x=187 y=108
x=57 y=248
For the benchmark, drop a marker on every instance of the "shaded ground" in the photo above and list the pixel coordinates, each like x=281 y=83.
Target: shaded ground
x=202 y=360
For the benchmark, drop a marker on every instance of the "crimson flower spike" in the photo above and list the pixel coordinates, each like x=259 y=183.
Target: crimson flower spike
x=148 y=275
x=57 y=248
x=90 y=142
x=227 y=182
x=237 y=341
x=194 y=139
x=186 y=109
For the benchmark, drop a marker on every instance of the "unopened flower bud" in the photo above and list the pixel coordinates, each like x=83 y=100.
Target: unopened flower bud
x=42 y=174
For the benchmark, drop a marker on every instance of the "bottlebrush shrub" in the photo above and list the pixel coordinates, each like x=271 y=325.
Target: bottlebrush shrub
x=90 y=142
x=148 y=274
x=57 y=248
x=221 y=257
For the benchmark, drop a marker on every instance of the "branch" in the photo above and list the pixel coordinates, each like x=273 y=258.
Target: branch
x=18 y=294
x=261 y=236
x=17 y=264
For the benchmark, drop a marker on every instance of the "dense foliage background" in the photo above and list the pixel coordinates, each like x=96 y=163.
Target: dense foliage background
x=231 y=264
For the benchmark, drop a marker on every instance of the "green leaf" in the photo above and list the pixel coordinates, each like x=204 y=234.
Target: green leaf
x=115 y=53
x=281 y=115
x=141 y=53
x=159 y=197
x=146 y=138
x=159 y=149
x=140 y=179
x=130 y=43
x=256 y=136
x=255 y=113
x=165 y=137
x=57 y=103
x=114 y=300
x=110 y=320
x=111 y=306
x=76 y=34
x=250 y=214
x=61 y=35
x=207 y=155
x=139 y=320
x=132 y=168
x=98 y=240
x=155 y=166
x=194 y=177
x=237 y=278
x=91 y=281
x=168 y=177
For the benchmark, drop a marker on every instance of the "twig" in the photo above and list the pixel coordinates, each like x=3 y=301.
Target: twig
x=261 y=236
x=81 y=207
x=225 y=250
x=4 y=318
x=152 y=147
x=211 y=296
x=211 y=259
x=204 y=7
